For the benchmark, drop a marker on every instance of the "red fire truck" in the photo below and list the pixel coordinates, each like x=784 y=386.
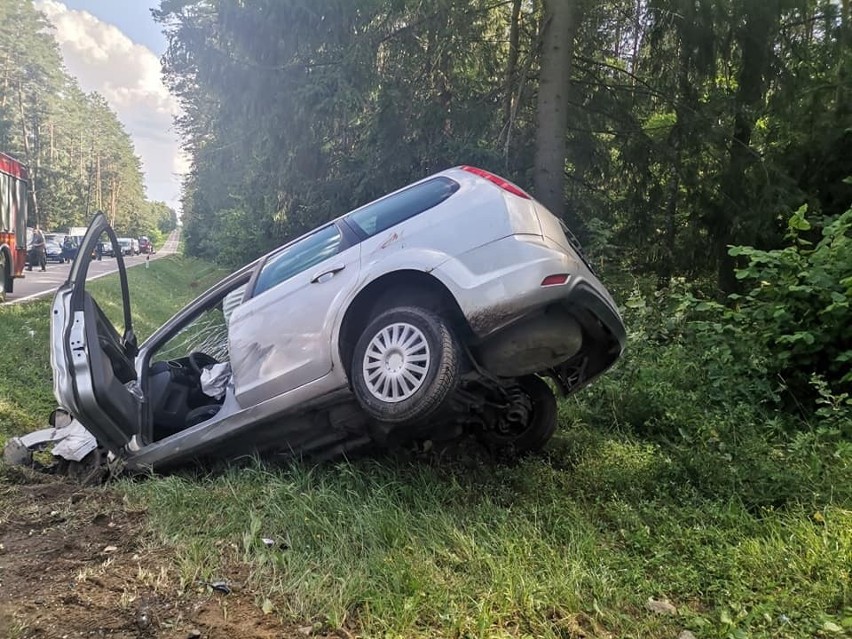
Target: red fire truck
x=14 y=196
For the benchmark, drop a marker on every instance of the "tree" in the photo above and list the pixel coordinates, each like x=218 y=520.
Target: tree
x=557 y=38
x=79 y=155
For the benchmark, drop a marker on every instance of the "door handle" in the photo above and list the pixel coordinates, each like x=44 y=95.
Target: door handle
x=327 y=274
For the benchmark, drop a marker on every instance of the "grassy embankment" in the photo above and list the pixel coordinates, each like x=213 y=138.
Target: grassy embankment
x=665 y=481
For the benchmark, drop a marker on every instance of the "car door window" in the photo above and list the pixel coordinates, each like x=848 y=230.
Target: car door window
x=297 y=257
x=390 y=211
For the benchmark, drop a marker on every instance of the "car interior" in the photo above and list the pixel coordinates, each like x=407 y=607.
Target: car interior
x=174 y=389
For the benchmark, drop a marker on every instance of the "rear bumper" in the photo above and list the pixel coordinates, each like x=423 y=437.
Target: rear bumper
x=521 y=326
x=501 y=282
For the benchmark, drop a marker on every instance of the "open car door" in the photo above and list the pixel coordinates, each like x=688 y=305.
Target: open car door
x=94 y=372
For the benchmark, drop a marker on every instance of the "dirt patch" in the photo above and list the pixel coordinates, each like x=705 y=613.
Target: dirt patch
x=75 y=562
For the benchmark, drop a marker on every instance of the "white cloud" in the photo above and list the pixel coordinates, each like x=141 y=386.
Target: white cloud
x=128 y=75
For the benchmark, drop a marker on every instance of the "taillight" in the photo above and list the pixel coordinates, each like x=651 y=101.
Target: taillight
x=555 y=280
x=496 y=179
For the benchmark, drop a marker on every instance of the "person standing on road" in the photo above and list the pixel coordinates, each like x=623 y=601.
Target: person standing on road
x=38 y=250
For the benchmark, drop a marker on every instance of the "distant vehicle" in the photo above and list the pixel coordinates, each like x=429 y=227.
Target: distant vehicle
x=431 y=312
x=126 y=245
x=67 y=245
x=145 y=245
x=53 y=251
x=135 y=250
x=53 y=247
x=14 y=198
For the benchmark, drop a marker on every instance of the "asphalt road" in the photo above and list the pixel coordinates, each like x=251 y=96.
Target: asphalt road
x=37 y=284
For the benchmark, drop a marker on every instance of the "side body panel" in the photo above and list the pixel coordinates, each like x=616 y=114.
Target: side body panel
x=280 y=339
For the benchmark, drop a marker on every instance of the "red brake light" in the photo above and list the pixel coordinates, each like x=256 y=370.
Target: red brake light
x=555 y=280
x=496 y=179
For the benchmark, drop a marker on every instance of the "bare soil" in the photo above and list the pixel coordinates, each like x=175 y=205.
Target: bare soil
x=75 y=562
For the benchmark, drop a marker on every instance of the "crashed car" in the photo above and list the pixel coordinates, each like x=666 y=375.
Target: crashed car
x=429 y=313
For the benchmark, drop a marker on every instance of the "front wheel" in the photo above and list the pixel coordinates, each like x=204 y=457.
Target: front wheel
x=405 y=365
x=528 y=422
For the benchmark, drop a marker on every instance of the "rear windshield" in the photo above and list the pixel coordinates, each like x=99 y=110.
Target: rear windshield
x=390 y=211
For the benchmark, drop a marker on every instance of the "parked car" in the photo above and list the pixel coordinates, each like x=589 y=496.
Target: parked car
x=145 y=245
x=53 y=251
x=125 y=246
x=135 y=250
x=431 y=312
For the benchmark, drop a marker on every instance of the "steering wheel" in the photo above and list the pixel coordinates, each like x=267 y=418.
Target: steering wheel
x=198 y=361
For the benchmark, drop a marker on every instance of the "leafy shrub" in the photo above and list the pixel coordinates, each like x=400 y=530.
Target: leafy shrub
x=696 y=383
x=798 y=308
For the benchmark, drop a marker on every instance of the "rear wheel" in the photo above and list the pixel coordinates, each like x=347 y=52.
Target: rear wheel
x=529 y=421
x=405 y=365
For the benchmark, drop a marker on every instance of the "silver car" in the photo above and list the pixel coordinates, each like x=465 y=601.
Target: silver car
x=432 y=312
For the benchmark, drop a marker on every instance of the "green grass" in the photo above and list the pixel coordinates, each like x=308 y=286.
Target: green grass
x=668 y=479
x=540 y=549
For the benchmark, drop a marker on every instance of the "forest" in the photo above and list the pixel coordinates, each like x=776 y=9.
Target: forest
x=80 y=158
x=682 y=126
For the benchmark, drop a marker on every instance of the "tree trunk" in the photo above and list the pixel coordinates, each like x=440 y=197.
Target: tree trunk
x=637 y=41
x=113 y=204
x=28 y=153
x=518 y=99
x=98 y=188
x=755 y=40
x=552 y=109
x=841 y=106
x=512 y=62
x=6 y=65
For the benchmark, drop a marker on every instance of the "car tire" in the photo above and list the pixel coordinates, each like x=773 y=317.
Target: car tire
x=201 y=414
x=405 y=365
x=538 y=401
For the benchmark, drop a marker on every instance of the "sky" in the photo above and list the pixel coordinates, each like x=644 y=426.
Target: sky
x=114 y=47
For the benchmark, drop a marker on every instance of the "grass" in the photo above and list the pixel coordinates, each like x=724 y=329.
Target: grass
x=547 y=548
x=663 y=482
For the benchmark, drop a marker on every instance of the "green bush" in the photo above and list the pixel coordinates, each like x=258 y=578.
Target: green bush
x=798 y=308
x=697 y=384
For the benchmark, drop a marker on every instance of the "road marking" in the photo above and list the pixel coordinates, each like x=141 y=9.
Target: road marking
x=49 y=291
x=164 y=252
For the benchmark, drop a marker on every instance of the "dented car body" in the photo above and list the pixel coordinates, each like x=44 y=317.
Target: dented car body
x=431 y=312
